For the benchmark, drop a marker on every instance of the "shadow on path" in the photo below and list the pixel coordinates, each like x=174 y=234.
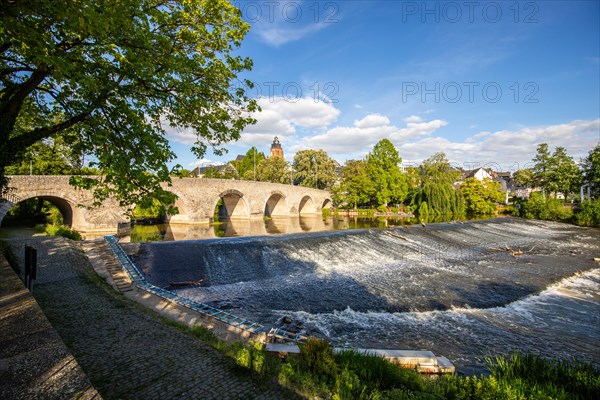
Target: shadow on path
x=128 y=353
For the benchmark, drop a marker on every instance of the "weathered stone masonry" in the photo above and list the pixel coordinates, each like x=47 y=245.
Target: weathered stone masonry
x=196 y=200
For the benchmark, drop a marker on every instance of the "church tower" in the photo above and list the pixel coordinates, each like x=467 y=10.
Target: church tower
x=276 y=150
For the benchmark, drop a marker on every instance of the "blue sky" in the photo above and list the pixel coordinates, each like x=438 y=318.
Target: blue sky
x=484 y=82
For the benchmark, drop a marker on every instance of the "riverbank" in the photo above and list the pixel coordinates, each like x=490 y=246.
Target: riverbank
x=126 y=351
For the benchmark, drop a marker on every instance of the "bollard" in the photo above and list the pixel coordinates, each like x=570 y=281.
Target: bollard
x=30 y=267
x=27 y=266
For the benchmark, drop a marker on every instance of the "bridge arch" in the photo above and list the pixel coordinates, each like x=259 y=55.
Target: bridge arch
x=307 y=206
x=231 y=204
x=276 y=204
x=72 y=215
x=327 y=203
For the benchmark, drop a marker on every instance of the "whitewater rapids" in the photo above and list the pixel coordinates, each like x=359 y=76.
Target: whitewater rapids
x=452 y=288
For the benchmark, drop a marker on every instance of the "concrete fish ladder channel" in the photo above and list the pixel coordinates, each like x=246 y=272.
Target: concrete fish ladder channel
x=225 y=325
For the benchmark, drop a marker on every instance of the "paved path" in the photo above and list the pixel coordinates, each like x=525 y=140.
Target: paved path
x=128 y=353
x=34 y=362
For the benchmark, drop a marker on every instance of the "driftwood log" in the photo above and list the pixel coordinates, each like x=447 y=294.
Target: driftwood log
x=510 y=251
x=175 y=285
x=396 y=236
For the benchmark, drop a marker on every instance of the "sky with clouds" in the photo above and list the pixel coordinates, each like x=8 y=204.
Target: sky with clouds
x=485 y=82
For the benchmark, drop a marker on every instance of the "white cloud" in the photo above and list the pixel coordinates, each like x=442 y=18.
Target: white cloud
x=205 y=163
x=278 y=35
x=508 y=149
x=417 y=140
x=417 y=129
x=269 y=123
x=281 y=116
x=413 y=118
x=357 y=140
x=181 y=135
x=372 y=121
x=304 y=112
x=281 y=22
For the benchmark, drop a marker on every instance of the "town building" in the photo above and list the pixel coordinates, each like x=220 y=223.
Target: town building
x=276 y=149
x=222 y=169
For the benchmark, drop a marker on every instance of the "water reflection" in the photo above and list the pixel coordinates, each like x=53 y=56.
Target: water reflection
x=267 y=226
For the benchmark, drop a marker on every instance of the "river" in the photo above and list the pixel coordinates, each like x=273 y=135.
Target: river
x=452 y=288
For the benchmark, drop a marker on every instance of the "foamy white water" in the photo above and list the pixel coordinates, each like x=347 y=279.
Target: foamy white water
x=444 y=287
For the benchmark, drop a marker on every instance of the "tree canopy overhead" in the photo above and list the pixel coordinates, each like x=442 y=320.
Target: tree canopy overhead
x=120 y=71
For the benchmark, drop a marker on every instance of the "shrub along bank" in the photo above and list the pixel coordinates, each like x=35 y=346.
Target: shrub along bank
x=547 y=208
x=319 y=373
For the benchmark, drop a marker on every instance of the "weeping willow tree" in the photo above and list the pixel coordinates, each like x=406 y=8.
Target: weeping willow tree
x=436 y=188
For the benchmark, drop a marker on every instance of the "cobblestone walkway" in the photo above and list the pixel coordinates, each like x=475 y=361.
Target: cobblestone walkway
x=127 y=353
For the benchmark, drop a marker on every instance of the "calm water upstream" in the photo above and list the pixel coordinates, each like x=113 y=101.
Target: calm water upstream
x=260 y=227
x=441 y=287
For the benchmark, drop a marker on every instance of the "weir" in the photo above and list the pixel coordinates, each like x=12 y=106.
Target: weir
x=443 y=287
x=422 y=361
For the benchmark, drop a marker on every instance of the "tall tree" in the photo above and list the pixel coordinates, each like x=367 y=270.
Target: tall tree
x=481 y=197
x=437 y=167
x=437 y=187
x=314 y=168
x=382 y=166
x=247 y=167
x=120 y=72
x=541 y=168
x=356 y=187
x=51 y=156
x=591 y=168
x=563 y=176
x=524 y=177
x=273 y=169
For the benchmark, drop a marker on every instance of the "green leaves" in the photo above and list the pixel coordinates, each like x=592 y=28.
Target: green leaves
x=248 y=165
x=382 y=166
x=481 y=197
x=524 y=177
x=314 y=168
x=121 y=72
x=591 y=168
x=356 y=187
x=436 y=187
x=273 y=169
x=556 y=172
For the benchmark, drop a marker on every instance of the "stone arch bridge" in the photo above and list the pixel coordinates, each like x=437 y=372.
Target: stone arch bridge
x=197 y=199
